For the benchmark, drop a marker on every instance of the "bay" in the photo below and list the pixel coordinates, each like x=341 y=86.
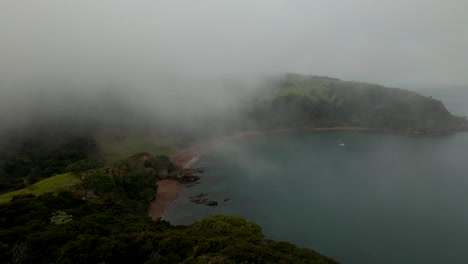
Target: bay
x=378 y=199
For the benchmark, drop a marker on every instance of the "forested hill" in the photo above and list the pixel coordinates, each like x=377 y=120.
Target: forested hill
x=75 y=205
x=305 y=101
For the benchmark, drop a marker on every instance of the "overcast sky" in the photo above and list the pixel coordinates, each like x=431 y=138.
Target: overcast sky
x=393 y=42
x=165 y=46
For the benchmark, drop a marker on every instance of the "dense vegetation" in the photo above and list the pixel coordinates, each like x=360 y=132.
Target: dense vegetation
x=26 y=160
x=64 y=228
x=307 y=101
x=131 y=181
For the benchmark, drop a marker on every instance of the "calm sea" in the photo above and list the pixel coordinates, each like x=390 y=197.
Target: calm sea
x=378 y=199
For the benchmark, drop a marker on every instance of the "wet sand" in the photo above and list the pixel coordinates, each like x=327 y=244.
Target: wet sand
x=166 y=194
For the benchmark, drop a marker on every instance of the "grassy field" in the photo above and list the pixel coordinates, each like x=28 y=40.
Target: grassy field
x=66 y=181
x=119 y=143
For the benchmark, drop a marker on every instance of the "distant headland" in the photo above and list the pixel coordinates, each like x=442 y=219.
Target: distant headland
x=306 y=101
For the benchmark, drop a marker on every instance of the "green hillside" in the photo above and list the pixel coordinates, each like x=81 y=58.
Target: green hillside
x=310 y=87
x=54 y=184
x=313 y=101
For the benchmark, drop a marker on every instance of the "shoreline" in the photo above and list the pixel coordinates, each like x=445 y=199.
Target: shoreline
x=167 y=193
x=168 y=189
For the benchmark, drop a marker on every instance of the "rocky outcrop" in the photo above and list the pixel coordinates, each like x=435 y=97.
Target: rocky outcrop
x=201 y=199
x=212 y=203
x=182 y=175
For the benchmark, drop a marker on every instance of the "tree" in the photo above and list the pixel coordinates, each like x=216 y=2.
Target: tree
x=59 y=217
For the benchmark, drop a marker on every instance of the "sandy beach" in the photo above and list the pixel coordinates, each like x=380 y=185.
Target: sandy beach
x=167 y=193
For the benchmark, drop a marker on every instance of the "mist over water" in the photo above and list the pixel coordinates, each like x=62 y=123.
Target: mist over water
x=379 y=199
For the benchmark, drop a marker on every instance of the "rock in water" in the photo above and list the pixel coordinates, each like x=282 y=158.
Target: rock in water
x=212 y=203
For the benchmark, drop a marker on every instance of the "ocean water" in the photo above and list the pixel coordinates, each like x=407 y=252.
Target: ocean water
x=379 y=199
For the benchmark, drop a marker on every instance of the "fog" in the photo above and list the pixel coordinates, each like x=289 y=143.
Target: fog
x=359 y=203
x=180 y=61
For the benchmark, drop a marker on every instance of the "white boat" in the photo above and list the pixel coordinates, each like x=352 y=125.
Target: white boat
x=341 y=143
